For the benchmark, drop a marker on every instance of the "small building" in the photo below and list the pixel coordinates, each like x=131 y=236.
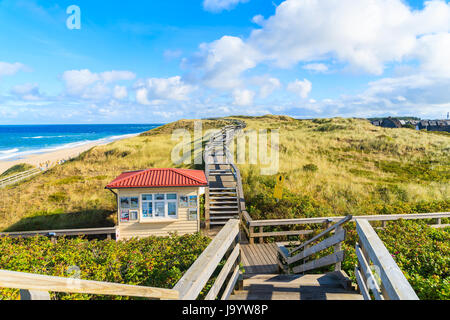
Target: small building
x=157 y=202
x=391 y=123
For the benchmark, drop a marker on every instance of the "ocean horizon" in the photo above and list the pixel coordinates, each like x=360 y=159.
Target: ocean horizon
x=20 y=141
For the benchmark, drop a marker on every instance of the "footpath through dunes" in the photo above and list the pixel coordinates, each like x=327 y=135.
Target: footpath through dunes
x=261 y=280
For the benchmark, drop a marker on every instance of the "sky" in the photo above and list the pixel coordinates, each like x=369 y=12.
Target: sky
x=159 y=61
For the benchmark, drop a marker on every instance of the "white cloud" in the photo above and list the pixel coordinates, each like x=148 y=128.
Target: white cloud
x=317 y=67
x=365 y=35
x=301 y=88
x=27 y=91
x=220 y=5
x=9 y=69
x=267 y=85
x=243 y=97
x=222 y=62
x=76 y=81
x=120 y=92
x=89 y=85
x=173 y=88
x=114 y=76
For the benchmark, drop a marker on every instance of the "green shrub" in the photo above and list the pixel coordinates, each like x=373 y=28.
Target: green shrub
x=310 y=167
x=57 y=197
x=154 y=261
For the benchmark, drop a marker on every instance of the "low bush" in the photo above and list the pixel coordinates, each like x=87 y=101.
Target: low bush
x=153 y=262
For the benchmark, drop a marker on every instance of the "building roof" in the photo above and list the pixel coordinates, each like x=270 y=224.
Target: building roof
x=151 y=178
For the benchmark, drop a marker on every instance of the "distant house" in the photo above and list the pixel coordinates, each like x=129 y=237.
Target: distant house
x=376 y=122
x=156 y=202
x=434 y=125
x=391 y=123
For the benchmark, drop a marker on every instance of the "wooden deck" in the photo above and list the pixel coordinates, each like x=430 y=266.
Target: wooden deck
x=295 y=287
x=259 y=258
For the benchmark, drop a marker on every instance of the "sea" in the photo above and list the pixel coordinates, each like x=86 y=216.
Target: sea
x=19 y=141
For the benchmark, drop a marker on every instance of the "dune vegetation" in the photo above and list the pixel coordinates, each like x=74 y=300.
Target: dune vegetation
x=341 y=166
x=332 y=167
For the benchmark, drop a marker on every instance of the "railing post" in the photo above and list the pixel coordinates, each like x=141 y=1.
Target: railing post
x=207 y=217
x=337 y=248
x=34 y=295
x=251 y=239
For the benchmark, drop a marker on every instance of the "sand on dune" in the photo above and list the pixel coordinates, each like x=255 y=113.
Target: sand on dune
x=53 y=157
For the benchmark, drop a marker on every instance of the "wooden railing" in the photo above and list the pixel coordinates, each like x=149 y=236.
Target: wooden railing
x=377 y=272
x=255 y=228
x=35 y=286
x=19 y=177
x=225 y=246
x=296 y=260
x=61 y=233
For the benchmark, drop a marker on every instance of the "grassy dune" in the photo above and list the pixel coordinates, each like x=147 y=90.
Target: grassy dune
x=73 y=196
x=333 y=167
x=348 y=166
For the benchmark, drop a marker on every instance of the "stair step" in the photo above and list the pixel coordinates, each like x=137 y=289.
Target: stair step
x=222 y=202
x=223 y=198
x=222 y=217
x=222 y=193
x=217 y=223
x=222 y=188
x=223 y=212
x=215 y=208
x=220 y=174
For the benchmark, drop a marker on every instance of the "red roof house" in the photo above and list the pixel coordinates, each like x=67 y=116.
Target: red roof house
x=157 y=202
x=153 y=178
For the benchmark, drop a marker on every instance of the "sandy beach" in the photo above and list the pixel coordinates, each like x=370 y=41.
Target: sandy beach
x=55 y=156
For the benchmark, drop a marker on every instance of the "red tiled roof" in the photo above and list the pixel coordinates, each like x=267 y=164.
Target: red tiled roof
x=159 y=178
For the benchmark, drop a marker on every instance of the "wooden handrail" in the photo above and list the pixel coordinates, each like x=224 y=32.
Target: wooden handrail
x=250 y=224
x=59 y=233
x=323 y=233
x=195 y=279
x=288 y=259
x=394 y=285
x=29 y=281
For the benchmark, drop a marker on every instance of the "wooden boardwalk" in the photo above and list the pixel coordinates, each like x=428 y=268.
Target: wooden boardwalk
x=260 y=258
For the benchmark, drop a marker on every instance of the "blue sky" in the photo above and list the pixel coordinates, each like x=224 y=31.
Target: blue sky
x=158 y=61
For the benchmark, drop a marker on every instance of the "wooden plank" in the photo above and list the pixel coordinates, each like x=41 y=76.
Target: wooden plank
x=362 y=285
x=212 y=294
x=282 y=233
x=340 y=223
x=394 y=282
x=328 y=242
x=322 y=262
x=193 y=281
x=386 y=217
x=365 y=269
x=257 y=261
x=230 y=286
x=29 y=281
x=245 y=262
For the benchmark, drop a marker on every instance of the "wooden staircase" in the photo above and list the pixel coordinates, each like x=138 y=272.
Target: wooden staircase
x=222 y=196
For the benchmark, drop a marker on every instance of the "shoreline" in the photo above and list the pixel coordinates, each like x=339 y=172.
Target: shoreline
x=67 y=153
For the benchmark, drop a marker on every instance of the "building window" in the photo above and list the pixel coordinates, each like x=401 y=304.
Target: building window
x=129 y=209
x=159 y=206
